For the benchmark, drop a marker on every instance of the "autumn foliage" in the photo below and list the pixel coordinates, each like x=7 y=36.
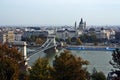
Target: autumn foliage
x=11 y=63
x=40 y=70
x=69 y=67
x=65 y=66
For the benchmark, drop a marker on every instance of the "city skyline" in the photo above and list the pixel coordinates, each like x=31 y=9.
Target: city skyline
x=59 y=12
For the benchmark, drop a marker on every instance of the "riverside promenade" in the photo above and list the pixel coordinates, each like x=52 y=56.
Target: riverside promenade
x=92 y=48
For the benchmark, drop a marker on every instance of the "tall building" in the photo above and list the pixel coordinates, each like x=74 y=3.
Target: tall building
x=76 y=31
x=75 y=25
x=10 y=36
x=3 y=38
x=82 y=25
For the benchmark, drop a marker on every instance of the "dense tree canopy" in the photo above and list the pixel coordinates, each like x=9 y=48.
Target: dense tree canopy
x=11 y=63
x=98 y=76
x=39 y=41
x=116 y=59
x=78 y=41
x=40 y=70
x=89 y=38
x=69 y=67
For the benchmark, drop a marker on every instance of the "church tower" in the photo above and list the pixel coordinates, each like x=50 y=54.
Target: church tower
x=84 y=25
x=81 y=25
x=75 y=25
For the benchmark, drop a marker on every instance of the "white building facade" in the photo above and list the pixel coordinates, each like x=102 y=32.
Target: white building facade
x=65 y=34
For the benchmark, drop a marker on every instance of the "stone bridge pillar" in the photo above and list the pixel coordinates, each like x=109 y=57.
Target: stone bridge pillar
x=21 y=45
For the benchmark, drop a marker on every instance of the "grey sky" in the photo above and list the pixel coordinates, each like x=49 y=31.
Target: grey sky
x=59 y=12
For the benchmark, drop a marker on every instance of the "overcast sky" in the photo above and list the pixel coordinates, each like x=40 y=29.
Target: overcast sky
x=59 y=12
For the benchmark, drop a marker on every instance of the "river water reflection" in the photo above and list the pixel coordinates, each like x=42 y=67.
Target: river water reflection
x=98 y=59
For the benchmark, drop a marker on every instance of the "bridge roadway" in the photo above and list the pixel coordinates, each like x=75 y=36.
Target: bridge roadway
x=48 y=44
x=38 y=51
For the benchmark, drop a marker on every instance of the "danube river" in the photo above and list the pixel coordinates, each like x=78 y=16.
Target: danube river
x=98 y=59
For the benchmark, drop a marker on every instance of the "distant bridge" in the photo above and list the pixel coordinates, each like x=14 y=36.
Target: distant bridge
x=41 y=49
x=50 y=42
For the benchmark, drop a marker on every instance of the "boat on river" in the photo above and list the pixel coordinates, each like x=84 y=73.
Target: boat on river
x=92 y=48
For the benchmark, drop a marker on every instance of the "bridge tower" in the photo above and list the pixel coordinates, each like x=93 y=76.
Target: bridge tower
x=21 y=45
x=51 y=37
x=55 y=44
x=24 y=50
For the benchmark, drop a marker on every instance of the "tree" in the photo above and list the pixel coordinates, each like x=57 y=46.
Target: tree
x=116 y=59
x=98 y=76
x=68 y=40
x=95 y=43
x=9 y=69
x=39 y=41
x=93 y=37
x=40 y=70
x=69 y=67
x=57 y=39
x=84 y=38
x=11 y=63
x=73 y=39
x=78 y=41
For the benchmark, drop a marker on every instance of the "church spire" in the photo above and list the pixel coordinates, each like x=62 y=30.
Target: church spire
x=84 y=25
x=75 y=25
x=81 y=22
x=81 y=25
